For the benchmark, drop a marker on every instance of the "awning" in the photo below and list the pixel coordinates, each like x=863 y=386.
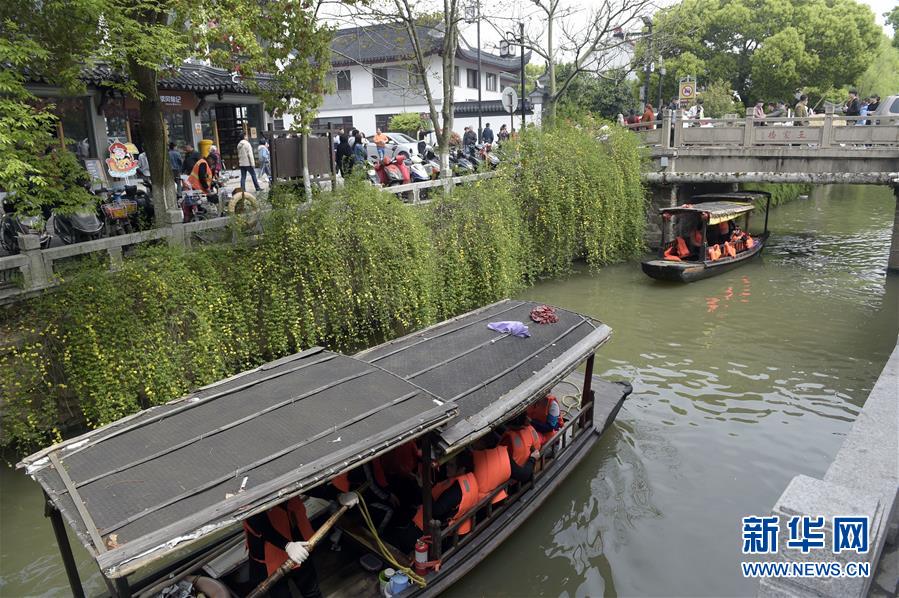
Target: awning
x=490 y=376
x=144 y=486
x=718 y=211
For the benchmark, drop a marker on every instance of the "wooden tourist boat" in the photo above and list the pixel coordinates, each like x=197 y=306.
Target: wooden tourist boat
x=160 y=496
x=709 y=257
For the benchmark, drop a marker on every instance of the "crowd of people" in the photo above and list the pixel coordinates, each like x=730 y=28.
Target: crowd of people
x=391 y=486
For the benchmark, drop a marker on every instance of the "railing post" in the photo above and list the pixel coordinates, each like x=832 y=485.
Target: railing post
x=39 y=276
x=827 y=131
x=749 y=128
x=666 y=129
x=115 y=258
x=678 y=127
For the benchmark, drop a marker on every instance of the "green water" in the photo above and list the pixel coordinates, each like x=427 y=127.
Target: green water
x=740 y=383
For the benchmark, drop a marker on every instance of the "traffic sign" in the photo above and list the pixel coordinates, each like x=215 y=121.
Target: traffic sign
x=686 y=90
x=510 y=100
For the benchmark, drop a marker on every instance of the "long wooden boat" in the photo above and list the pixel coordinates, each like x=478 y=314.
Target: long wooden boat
x=703 y=212
x=160 y=496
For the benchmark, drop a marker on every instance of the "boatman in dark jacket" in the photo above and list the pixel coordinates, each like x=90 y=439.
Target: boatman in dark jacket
x=280 y=533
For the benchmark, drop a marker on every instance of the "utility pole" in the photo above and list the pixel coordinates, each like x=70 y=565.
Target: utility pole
x=647 y=62
x=480 y=82
x=521 y=39
x=661 y=76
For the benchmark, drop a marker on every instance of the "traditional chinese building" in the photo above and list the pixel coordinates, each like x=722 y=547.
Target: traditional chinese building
x=199 y=102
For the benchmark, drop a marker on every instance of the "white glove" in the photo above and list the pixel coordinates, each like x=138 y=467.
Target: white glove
x=297 y=551
x=348 y=499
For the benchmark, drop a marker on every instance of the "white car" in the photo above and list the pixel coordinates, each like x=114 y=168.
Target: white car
x=397 y=143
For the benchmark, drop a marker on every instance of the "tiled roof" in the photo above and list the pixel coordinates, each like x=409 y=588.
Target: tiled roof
x=488 y=108
x=390 y=43
x=189 y=76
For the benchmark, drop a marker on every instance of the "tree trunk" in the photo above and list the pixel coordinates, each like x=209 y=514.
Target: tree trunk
x=549 y=106
x=153 y=137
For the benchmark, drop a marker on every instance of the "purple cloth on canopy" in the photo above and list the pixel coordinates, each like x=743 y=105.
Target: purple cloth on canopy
x=512 y=327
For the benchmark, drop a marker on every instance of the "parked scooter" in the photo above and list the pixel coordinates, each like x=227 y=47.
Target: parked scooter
x=118 y=211
x=460 y=164
x=487 y=155
x=12 y=225
x=417 y=170
x=76 y=227
x=197 y=205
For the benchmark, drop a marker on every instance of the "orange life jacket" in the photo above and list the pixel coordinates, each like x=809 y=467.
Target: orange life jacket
x=469 y=485
x=539 y=412
x=193 y=180
x=715 y=252
x=521 y=443
x=682 y=249
x=671 y=254
x=280 y=516
x=750 y=242
x=697 y=237
x=492 y=468
x=729 y=249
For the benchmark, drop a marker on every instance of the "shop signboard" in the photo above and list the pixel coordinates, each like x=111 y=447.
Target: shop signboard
x=94 y=167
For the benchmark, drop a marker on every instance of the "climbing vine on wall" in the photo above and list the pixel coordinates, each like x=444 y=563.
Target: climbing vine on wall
x=356 y=268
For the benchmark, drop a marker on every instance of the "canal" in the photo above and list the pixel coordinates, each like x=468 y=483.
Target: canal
x=740 y=383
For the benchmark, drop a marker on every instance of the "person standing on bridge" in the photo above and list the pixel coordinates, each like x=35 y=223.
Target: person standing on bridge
x=801 y=111
x=648 y=116
x=853 y=107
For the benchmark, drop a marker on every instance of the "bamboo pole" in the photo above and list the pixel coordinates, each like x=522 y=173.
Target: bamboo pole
x=263 y=588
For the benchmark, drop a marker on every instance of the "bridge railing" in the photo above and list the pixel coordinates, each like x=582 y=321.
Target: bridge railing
x=824 y=131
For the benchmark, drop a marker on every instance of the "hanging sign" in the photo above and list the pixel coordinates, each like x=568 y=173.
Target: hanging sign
x=121 y=162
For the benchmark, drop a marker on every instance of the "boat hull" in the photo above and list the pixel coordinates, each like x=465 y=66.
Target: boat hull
x=693 y=271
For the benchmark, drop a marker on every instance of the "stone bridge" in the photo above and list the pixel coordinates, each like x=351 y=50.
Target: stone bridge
x=688 y=157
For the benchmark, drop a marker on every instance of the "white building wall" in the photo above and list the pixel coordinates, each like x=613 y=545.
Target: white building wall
x=362 y=85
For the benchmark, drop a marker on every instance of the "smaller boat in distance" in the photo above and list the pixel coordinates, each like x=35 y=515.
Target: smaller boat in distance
x=704 y=238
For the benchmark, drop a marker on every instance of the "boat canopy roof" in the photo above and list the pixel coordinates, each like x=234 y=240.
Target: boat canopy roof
x=490 y=376
x=718 y=211
x=140 y=488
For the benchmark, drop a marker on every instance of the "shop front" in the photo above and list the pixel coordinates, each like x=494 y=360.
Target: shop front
x=224 y=123
x=123 y=118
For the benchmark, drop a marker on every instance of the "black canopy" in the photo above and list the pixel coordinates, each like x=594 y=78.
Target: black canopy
x=146 y=485
x=489 y=375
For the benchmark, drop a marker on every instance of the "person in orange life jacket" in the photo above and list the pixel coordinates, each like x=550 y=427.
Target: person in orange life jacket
x=494 y=466
x=280 y=533
x=451 y=498
x=378 y=496
x=523 y=444
x=200 y=179
x=401 y=469
x=546 y=417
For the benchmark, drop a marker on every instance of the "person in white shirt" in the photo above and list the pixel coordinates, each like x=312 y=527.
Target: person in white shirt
x=247 y=162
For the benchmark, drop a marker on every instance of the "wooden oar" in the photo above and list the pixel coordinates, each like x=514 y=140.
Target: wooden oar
x=284 y=569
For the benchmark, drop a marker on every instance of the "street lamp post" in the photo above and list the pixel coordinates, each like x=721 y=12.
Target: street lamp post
x=648 y=60
x=661 y=76
x=475 y=15
x=510 y=38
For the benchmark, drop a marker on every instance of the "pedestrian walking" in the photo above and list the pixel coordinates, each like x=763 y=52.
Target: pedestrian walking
x=648 y=116
x=359 y=152
x=852 y=107
x=380 y=140
x=503 y=134
x=175 y=161
x=247 y=162
x=487 y=135
x=801 y=111
x=265 y=159
x=344 y=156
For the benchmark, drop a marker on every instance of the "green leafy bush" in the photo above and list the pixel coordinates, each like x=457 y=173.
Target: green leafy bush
x=355 y=268
x=408 y=123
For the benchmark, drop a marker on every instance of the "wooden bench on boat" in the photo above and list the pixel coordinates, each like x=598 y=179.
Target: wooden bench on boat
x=164 y=492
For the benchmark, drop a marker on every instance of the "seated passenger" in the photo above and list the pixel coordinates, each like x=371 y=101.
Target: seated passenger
x=400 y=467
x=492 y=467
x=677 y=251
x=520 y=439
x=452 y=498
x=546 y=417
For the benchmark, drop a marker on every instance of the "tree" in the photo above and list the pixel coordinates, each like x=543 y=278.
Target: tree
x=892 y=19
x=141 y=39
x=409 y=123
x=882 y=76
x=607 y=96
x=718 y=100
x=592 y=42
x=405 y=18
x=767 y=49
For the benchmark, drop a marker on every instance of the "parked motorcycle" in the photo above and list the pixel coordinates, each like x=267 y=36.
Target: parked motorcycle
x=197 y=205
x=76 y=227
x=417 y=170
x=487 y=155
x=12 y=225
x=460 y=164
